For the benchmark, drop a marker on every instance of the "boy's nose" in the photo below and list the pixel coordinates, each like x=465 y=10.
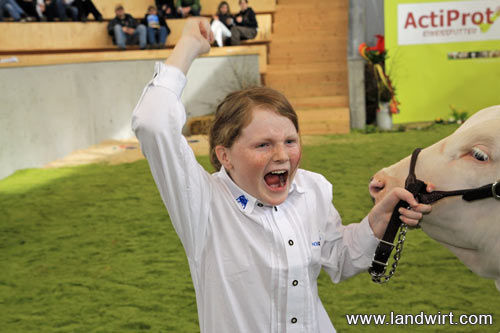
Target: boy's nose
x=280 y=154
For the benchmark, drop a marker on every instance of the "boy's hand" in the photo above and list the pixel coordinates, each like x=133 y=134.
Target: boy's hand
x=199 y=29
x=195 y=41
x=380 y=215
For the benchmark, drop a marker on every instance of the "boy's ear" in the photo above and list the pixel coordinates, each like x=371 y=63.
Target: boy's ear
x=223 y=156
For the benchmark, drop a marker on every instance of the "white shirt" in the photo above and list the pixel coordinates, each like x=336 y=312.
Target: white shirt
x=254 y=267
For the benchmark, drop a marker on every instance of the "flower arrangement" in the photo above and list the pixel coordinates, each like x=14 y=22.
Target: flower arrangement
x=376 y=56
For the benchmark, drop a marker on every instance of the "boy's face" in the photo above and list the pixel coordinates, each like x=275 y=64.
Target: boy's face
x=152 y=11
x=264 y=158
x=243 y=5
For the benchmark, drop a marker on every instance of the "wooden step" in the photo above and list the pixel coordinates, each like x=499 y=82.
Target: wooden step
x=290 y=29
x=303 y=58
x=334 y=49
x=332 y=37
x=324 y=121
x=332 y=65
x=308 y=62
x=307 y=36
x=308 y=90
x=322 y=19
x=312 y=7
x=305 y=77
x=319 y=102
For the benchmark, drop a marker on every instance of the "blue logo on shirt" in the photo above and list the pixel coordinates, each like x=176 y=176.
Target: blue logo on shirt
x=318 y=243
x=242 y=200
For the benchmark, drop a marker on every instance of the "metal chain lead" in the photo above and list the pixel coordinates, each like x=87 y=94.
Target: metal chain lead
x=381 y=278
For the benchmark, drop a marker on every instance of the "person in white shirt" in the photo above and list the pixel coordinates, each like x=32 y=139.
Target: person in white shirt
x=258 y=231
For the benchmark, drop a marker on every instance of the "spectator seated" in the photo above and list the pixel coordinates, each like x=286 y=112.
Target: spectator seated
x=76 y=36
x=208 y=7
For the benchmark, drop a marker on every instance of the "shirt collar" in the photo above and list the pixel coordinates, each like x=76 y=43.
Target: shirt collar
x=244 y=201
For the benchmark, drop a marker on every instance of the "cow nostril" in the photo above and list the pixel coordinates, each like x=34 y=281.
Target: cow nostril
x=375 y=187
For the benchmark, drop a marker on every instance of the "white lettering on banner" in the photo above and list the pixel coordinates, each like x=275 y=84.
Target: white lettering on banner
x=448 y=22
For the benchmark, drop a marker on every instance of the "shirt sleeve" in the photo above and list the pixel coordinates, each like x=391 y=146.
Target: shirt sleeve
x=347 y=249
x=184 y=185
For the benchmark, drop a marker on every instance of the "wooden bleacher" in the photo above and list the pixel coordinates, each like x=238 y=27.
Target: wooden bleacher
x=137 y=8
x=37 y=59
x=77 y=36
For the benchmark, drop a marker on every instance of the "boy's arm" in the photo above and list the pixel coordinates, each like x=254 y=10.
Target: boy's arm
x=158 y=118
x=195 y=41
x=348 y=250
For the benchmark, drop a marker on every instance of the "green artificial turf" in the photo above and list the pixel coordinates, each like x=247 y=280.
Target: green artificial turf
x=91 y=249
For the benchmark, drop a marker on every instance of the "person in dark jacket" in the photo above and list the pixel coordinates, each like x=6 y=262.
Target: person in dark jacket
x=60 y=9
x=188 y=7
x=16 y=12
x=166 y=8
x=157 y=28
x=126 y=31
x=29 y=7
x=86 y=7
x=245 y=24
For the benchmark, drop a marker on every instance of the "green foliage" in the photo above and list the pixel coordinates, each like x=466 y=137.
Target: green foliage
x=377 y=57
x=91 y=249
x=457 y=115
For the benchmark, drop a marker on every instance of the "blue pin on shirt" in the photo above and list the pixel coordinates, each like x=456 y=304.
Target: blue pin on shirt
x=242 y=200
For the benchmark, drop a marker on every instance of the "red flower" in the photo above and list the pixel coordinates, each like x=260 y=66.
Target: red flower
x=380 y=47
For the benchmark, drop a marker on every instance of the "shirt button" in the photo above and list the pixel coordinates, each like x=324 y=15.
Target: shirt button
x=294 y=320
x=295 y=282
x=260 y=205
x=290 y=242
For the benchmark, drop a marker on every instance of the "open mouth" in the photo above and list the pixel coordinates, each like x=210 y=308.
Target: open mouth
x=276 y=180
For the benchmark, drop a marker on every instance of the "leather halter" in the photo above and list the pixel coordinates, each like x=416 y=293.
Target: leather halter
x=418 y=189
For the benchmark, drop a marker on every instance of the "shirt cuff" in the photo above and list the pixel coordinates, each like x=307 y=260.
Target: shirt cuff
x=370 y=242
x=169 y=77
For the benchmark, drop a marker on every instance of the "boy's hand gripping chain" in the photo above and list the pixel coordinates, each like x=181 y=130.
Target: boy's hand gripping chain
x=385 y=247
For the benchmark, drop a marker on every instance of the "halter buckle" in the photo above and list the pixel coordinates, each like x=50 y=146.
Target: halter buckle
x=494 y=190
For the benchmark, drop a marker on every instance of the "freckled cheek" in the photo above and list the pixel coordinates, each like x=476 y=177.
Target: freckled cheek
x=295 y=156
x=257 y=165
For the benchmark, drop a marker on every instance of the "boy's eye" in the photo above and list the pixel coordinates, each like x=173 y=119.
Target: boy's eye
x=262 y=145
x=291 y=141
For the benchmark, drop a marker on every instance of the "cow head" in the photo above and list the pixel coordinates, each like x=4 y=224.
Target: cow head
x=468 y=158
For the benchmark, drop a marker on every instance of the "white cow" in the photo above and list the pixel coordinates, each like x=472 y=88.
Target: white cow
x=468 y=158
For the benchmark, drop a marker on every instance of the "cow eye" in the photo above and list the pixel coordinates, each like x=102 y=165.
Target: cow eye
x=479 y=155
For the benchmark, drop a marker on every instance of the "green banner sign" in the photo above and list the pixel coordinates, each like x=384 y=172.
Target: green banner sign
x=442 y=55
